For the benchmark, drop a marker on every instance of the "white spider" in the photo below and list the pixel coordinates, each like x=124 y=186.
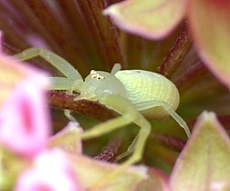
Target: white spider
x=131 y=93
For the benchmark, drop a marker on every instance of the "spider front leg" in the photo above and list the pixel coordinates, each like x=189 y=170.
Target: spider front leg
x=154 y=103
x=129 y=114
x=72 y=80
x=58 y=62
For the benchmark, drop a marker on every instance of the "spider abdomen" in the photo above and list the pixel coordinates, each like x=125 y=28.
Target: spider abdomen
x=143 y=86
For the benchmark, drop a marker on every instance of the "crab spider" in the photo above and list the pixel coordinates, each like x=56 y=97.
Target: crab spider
x=134 y=94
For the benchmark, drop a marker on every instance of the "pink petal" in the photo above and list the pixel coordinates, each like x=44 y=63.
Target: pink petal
x=24 y=118
x=204 y=163
x=93 y=175
x=149 y=19
x=210 y=27
x=68 y=138
x=157 y=180
x=1 y=40
x=51 y=172
x=13 y=71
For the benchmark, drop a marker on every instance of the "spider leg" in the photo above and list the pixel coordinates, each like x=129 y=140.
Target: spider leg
x=151 y=104
x=128 y=115
x=116 y=68
x=71 y=82
x=58 y=62
x=130 y=149
x=61 y=83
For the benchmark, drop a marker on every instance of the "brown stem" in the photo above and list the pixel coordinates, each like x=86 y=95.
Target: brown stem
x=102 y=31
x=168 y=141
x=177 y=53
x=89 y=108
x=195 y=71
x=109 y=153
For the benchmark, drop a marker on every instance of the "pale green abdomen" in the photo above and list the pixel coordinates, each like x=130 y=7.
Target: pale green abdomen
x=143 y=86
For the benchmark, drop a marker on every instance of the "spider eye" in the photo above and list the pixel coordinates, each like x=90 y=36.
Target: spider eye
x=100 y=77
x=99 y=83
x=95 y=75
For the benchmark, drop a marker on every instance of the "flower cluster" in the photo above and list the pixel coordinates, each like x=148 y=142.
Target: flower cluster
x=25 y=127
x=185 y=40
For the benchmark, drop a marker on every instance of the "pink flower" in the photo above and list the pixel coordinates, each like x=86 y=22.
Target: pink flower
x=24 y=133
x=208 y=22
x=24 y=120
x=51 y=172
